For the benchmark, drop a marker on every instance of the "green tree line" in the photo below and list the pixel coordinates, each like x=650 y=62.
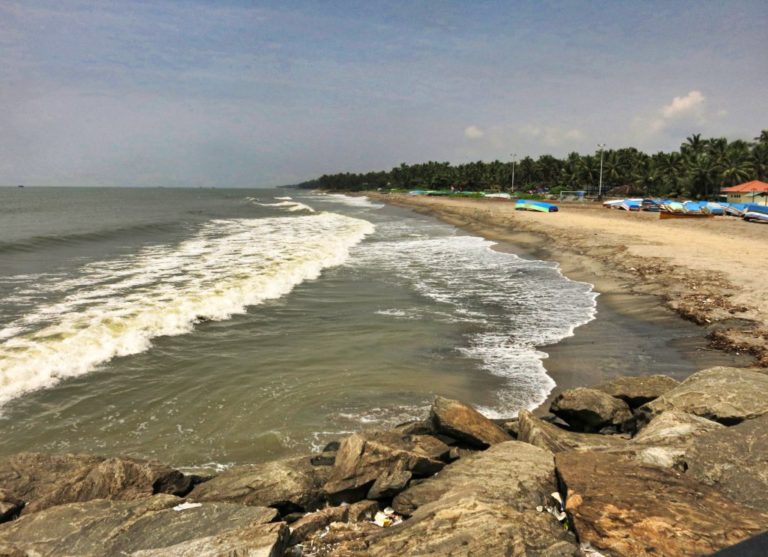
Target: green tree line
x=699 y=169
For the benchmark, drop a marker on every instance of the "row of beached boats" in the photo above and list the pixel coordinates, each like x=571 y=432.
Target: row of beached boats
x=669 y=209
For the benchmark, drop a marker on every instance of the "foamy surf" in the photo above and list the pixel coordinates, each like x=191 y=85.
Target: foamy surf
x=509 y=305
x=291 y=206
x=115 y=308
x=349 y=200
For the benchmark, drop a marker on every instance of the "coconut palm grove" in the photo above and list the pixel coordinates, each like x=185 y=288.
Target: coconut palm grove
x=699 y=169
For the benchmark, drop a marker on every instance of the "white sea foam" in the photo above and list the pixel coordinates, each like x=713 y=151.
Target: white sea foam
x=350 y=200
x=510 y=305
x=292 y=206
x=115 y=308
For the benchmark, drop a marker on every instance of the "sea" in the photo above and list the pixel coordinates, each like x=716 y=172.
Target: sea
x=211 y=327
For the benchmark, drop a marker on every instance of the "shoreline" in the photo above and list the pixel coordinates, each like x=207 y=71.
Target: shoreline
x=635 y=331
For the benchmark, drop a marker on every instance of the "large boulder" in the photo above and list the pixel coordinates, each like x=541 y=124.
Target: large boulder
x=590 y=410
x=463 y=525
x=674 y=428
x=464 y=423
x=555 y=439
x=388 y=457
x=734 y=460
x=724 y=394
x=288 y=485
x=514 y=473
x=45 y=480
x=259 y=540
x=634 y=510
x=637 y=390
x=104 y=527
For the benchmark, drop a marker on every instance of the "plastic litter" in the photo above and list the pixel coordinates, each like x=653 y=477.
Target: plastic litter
x=555 y=508
x=185 y=506
x=386 y=518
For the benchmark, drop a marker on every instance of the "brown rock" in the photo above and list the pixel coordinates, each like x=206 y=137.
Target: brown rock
x=389 y=484
x=637 y=390
x=590 y=410
x=267 y=540
x=635 y=510
x=734 y=460
x=464 y=423
x=10 y=506
x=288 y=485
x=312 y=522
x=362 y=510
x=514 y=473
x=104 y=527
x=364 y=457
x=45 y=480
x=463 y=525
x=552 y=438
x=724 y=394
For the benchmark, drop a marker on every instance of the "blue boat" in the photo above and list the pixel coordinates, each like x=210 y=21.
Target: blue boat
x=539 y=206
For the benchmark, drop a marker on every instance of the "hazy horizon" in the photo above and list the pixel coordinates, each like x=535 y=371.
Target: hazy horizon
x=261 y=94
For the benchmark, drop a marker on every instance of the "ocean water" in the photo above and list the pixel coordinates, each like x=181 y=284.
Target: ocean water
x=208 y=327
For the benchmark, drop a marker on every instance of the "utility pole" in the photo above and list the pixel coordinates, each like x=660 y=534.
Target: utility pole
x=514 y=159
x=600 y=186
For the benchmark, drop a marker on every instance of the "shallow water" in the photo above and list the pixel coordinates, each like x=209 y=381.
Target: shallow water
x=211 y=327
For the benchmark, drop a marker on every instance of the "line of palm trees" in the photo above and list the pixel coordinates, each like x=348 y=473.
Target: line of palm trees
x=699 y=169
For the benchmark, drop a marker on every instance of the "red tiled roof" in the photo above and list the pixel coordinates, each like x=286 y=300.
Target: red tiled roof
x=754 y=185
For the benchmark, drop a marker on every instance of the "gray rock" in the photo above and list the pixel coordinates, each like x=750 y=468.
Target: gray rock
x=552 y=438
x=634 y=510
x=104 y=527
x=637 y=390
x=464 y=423
x=287 y=485
x=724 y=394
x=734 y=460
x=514 y=473
x=364 y=457
x=590 y=410
x=464 y=525
x=673 y=428
x=45 y=480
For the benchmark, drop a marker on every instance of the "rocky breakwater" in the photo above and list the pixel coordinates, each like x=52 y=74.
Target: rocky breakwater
x=638 y=466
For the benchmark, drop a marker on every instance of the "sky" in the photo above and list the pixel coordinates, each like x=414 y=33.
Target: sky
x=259 y=94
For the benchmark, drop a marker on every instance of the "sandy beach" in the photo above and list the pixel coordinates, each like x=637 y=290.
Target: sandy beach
x=649 y=273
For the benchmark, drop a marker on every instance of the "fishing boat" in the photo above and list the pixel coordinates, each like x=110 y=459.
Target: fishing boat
x=754 y=216
x=539 y=206
x=681 y=215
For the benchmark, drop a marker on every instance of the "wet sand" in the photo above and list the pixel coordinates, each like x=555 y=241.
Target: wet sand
x=639 y=327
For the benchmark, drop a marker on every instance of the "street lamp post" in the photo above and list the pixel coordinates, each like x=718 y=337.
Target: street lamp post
x=600 y=185
x=514 y=159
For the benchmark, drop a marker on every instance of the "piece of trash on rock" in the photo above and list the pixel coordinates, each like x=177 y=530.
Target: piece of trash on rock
x=185 y=506
x=557 y=510
x=386 y=518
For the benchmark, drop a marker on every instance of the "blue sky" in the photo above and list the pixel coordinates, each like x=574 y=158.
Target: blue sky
x=171 y=93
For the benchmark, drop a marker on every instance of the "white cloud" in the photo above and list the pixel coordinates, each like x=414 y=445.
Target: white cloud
x=690 y=105
x=685 y=110
x=473 y=132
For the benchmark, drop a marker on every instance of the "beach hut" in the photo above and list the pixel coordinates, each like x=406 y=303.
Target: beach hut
x=750 y=192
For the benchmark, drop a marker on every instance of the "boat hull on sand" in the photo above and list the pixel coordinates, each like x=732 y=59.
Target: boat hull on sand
x=670 y=215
